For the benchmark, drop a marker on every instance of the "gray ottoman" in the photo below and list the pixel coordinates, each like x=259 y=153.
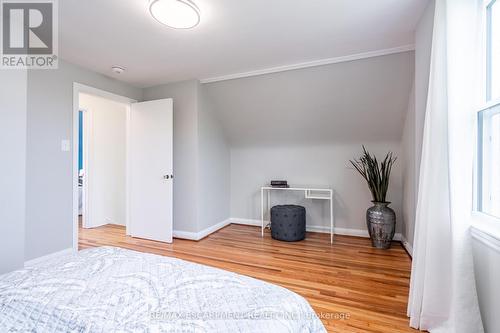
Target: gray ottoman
x=288 y=223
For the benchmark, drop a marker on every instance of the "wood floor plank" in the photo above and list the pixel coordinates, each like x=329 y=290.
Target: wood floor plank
x=352 y=286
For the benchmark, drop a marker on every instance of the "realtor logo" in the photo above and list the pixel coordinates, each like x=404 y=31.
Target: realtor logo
x=29 y=34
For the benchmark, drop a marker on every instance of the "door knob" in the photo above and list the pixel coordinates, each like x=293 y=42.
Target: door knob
x=166 y=177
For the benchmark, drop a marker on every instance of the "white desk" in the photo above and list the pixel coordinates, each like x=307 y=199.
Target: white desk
x=315 y=193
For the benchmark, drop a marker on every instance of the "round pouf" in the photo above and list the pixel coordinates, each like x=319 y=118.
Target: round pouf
x=288 y=223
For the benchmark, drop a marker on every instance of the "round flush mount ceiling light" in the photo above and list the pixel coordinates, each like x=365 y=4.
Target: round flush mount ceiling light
x=178 y=14
x=117 y=69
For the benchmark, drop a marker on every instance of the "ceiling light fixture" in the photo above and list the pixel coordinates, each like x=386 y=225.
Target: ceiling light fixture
x=178 y=14
x=117 y=69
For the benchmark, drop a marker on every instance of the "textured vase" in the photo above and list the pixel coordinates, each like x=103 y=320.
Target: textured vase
x=381 y=223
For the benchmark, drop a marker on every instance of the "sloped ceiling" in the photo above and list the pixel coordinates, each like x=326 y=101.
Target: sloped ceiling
x=358 y=101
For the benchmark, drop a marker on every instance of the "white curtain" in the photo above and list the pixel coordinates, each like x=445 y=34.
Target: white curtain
x=443 y=294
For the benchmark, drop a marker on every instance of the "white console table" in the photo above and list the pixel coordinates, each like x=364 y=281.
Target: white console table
x=314 y=193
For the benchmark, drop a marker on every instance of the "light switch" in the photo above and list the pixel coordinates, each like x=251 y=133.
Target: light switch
x=65 y=145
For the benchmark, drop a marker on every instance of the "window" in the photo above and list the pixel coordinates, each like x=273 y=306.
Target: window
x=488 y=150
x=489 y=160
x=493 y=50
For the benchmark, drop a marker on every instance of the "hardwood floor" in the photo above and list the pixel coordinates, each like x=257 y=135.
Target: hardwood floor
x=353 y=287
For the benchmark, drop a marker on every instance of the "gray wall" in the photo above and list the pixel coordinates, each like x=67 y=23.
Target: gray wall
x=201 y=157
x=221 y=132
x=414 y=124
x=408 y=158
x=213 y=165
x=49 y=189
x=304 y=125
x=185 y=99
x=329 y=110
x=13 y=89
x=353 y=102
x=49 y=170
x=252 y=167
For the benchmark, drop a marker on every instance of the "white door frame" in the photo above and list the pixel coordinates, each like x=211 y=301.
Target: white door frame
x=79 y=88
x=86 y=120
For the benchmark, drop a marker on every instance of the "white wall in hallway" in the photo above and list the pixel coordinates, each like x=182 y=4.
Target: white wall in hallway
x=106 y=171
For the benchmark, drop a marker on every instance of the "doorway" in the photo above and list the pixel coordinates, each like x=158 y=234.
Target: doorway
x=102 y=161
x=122 y=164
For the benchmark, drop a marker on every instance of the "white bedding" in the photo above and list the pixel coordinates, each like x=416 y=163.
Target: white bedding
x=116 y=290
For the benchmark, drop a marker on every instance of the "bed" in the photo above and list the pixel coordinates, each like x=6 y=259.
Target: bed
x=110 y=289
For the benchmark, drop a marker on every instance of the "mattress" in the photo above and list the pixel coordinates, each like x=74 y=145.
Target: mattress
x=111 y=289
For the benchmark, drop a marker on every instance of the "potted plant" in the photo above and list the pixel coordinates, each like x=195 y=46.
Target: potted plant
x=380 y=219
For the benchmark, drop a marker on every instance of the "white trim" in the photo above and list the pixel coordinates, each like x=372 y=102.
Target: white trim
x=316 y=228
x=314 y=63
x=41 y=259
x=196 y=236
x=487 y=224
x=256 y=223
x=87 y=119
x=128 y=228
x=351 y=232
x=406 y=245
x=202 y=234
x=205 y=232
x=185 y=235
x=77 y=89
x=485 y=238
x=82 y=88
x=338 y=231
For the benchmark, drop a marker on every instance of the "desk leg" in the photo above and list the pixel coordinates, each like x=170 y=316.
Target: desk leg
x=262 y=211
x=331 y=219
x=268 y=207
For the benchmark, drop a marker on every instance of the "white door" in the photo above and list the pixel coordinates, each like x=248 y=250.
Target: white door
x=150 y=173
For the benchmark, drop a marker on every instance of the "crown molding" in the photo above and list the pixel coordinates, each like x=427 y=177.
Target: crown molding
x=321 y=62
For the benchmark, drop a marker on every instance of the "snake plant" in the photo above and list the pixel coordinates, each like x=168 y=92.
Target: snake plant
x=376 y=174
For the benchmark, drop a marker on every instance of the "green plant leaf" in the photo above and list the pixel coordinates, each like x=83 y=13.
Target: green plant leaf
x=376 y=174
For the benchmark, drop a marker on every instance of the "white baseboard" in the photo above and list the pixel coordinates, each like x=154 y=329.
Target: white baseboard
x=340 y=231
x=407 y=245
x=202 y=234
x=314 y=228
x=256 y=223
x=185 y=235
x=205 y=232
x=322 y=229
x=310 y=228
x=41 y=259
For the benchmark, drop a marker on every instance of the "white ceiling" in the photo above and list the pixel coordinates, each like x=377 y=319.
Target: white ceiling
x=234 y=35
